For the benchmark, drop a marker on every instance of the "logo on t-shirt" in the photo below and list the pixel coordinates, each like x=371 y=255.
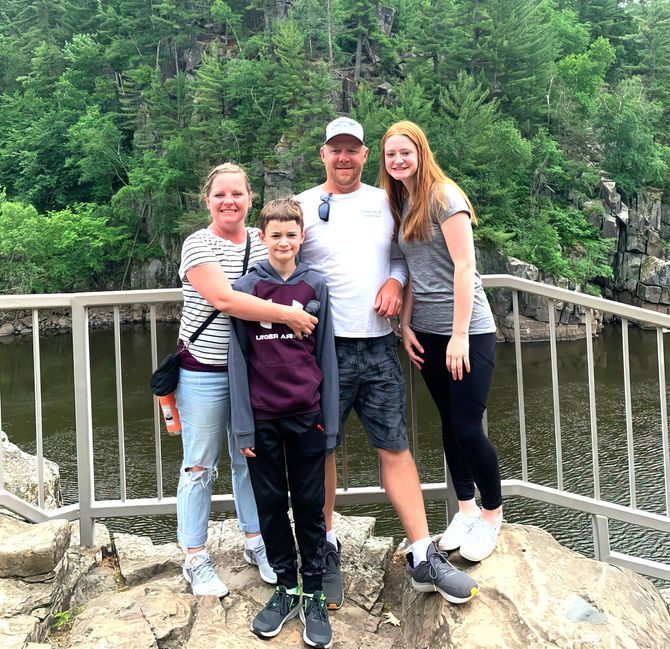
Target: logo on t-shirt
x=371 y=213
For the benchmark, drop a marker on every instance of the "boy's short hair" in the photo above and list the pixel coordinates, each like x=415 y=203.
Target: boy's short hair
x=281 y=209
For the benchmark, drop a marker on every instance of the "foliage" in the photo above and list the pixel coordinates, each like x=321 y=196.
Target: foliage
x=65 y=250
x=112 y=112
x=627 y=121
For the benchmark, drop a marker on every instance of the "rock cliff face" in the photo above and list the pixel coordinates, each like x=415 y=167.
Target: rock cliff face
x=570 y=319
x=642 y=260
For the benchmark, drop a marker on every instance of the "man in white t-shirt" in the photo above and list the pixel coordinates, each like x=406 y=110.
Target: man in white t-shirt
x=349 y=240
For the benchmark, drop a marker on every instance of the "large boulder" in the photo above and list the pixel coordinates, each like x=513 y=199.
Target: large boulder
x=161 y=612
x=28 y=603
x=534 y=593
x=20 y=470
x=28 y=550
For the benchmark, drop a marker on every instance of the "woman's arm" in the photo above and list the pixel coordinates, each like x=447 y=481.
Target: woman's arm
x=213 y=284
x=409 y=340
x=457 y=233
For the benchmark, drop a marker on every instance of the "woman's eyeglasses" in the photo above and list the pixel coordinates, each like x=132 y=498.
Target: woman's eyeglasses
x=324 y=207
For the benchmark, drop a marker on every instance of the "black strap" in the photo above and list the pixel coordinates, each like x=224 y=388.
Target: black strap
x=210 y=319
x=247 y=252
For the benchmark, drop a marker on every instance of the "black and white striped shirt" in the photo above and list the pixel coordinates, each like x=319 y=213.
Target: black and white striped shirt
x=204 y=247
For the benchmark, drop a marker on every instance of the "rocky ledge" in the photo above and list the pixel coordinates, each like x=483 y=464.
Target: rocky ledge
x=534 y=593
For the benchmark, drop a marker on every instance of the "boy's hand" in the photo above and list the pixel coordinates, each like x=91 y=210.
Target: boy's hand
x=248 y=451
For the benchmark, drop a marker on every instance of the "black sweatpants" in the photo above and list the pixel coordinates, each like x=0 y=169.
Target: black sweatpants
x=471 y=457
x=297 y=446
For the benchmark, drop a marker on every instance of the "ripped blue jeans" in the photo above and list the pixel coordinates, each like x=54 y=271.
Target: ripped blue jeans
x=203 y=400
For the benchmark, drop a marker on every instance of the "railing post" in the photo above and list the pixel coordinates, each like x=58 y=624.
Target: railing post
x=83 y=420
x=414 y=413
x=2 y=453
x=452 y=499
x=630 y=442
x=592 y=404
x=157 y=429
x=601 y=537
x=664 y=418
x=519 y=387
x=37 y=378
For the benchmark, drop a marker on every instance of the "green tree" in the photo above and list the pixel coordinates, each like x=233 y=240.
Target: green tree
x=627 y=121
x=579 y=80
x=652 y=43
x=66 y=250
x=96 y=147
x=485 y=153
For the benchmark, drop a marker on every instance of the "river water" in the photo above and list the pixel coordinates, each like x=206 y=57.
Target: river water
x=571 y=528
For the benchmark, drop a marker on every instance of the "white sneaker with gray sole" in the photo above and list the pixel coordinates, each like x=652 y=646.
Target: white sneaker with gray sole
x=258 y=557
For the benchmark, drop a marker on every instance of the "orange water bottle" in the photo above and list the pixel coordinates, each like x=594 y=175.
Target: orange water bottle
x=168 y=405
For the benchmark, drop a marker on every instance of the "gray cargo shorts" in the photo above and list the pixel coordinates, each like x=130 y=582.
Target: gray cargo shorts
x=372 y=383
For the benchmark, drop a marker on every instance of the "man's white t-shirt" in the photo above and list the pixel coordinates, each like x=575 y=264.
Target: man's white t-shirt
x=355 y=253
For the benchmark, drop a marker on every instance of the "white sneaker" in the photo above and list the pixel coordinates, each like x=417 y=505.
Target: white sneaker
x=480 y=540
x=258 y=557
x=453 y=535
x=198 y=572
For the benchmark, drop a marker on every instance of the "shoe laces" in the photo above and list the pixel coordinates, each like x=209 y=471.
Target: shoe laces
x=316 y=607
x=280 y=600
x=204 y=570
x=435 y=562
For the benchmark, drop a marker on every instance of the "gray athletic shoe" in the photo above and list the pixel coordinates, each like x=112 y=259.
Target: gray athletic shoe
x=280 y=607
x=332 y=578
x=437 y=574
x=198 y=572
x=314 y=615
x=258 y=557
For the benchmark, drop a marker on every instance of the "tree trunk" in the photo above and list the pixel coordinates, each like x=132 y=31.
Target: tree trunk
x=329 y=19
x=359 y=51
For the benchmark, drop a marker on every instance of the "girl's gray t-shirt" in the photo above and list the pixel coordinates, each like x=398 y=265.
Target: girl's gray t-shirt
x=432 y=273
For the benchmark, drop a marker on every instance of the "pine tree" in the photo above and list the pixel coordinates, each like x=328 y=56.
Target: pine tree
x=652 y=41
x=517 y=55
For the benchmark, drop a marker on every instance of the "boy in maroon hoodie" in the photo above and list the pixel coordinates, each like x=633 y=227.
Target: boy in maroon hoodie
x=285 y=402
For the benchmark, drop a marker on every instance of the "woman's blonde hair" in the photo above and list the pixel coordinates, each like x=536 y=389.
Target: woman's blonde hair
x=429 y=184
x=219 y=170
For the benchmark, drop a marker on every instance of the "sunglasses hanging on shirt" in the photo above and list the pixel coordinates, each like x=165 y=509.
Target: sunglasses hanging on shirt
x=324 y=207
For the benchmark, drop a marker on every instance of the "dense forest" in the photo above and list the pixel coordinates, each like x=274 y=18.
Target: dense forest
x=111 y=112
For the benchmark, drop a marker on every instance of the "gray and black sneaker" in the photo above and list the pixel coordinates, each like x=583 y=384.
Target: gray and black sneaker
x=314 y=615
x=332 y=578
x=437 y=574
x=281 y=606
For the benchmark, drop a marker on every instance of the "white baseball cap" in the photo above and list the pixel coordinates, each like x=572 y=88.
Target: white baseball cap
x=344 y=126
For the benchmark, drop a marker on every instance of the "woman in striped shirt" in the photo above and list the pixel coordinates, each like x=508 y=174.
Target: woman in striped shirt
x=212 y=259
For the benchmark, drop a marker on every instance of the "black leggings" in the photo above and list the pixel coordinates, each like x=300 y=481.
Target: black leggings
x=471 y=457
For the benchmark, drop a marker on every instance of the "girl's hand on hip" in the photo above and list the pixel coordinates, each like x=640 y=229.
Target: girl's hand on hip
x=412 y=346
x=458 y=356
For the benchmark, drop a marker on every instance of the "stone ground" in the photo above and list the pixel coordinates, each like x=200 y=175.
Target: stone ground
x=533 y=594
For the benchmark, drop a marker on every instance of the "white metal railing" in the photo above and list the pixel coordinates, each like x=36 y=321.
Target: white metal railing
x=88 y=508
